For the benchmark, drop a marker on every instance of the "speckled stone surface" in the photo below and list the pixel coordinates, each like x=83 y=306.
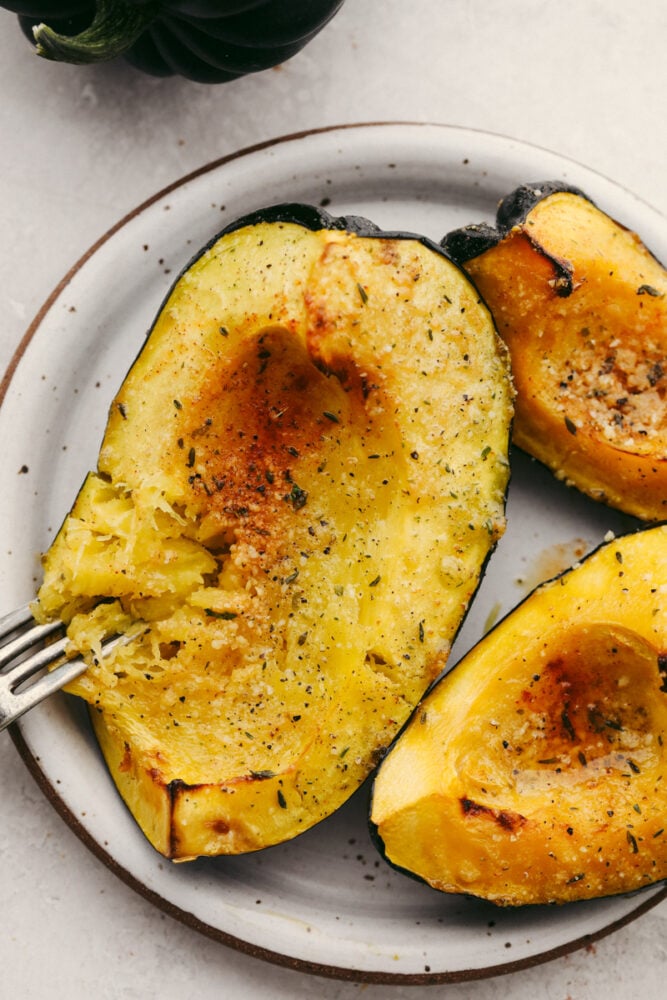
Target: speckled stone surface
x=81 y=148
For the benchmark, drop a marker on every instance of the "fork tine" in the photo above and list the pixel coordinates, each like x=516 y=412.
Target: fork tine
x=13 y=703
x=13 y=647
x=14 y=675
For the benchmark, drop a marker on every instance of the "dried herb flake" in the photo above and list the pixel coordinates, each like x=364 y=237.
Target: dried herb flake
x=297 y=497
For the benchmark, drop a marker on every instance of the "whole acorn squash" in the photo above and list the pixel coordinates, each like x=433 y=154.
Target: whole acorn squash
x=209 y=41
x=300 y=481
x=535 y=771
x=582 y=306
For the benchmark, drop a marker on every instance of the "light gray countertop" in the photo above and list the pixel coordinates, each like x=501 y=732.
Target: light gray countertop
x=81 y=147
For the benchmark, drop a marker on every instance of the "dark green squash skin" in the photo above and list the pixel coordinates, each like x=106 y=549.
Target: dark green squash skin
x=516 y=206
x=471 y=241
x=207 y=41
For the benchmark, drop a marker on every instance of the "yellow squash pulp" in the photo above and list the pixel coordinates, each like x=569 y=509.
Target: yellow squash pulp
x=536 y=770
x=300 y=481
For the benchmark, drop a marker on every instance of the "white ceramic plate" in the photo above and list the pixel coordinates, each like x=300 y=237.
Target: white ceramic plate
x=326 y=902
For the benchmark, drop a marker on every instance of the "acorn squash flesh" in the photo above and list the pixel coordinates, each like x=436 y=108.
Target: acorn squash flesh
x=582 y=305
x=300 y=481
x=535 y=771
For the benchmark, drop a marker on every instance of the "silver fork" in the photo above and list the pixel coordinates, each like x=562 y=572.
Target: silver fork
x=25 y=653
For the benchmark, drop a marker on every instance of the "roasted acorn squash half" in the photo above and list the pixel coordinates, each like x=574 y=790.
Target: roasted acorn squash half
x=535 y=770
x=582 y=306
x=300 y=481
